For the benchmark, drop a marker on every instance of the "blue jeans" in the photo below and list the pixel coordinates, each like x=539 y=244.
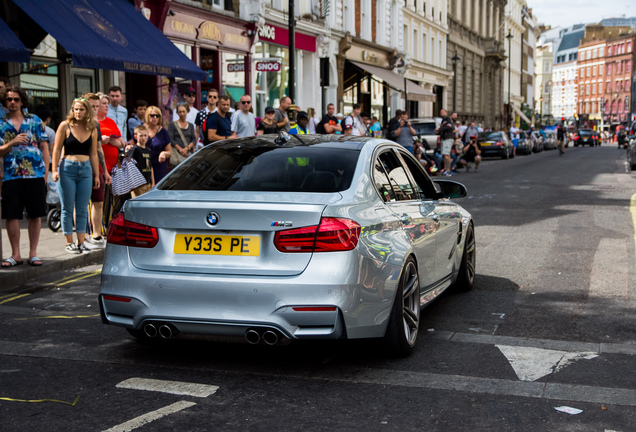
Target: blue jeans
x=75 y=186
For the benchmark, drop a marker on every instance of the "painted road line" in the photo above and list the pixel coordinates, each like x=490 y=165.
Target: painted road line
x=74 y=278
x=14 y=298
x=56 y=317
x=632 y=210
x=530 y=364
x=172 y=387
x=151 y=416
x=628 y=348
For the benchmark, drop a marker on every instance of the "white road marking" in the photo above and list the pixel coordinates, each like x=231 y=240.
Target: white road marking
x=150 y=417
x=530 y=364
x=172 y=387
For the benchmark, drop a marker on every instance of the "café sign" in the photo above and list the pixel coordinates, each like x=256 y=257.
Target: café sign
x=194 y=28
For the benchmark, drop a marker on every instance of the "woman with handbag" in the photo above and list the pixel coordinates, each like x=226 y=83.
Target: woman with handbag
x=158 y=143
x=77 y=172
x=182 y=137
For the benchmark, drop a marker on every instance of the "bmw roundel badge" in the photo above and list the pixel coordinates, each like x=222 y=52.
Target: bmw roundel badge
x=212 y=218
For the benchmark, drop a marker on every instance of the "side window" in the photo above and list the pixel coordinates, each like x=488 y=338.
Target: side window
x=425 y=185
x=382 y=183
x=400 y=185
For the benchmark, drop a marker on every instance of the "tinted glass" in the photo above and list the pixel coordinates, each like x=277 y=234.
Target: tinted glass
x=398 y=179
x=424 y=128
x=585 y=132
x=423 y=181
x=265 y=168
x=487 y=136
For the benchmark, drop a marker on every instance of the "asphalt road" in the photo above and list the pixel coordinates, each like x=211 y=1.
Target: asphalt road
x=550 y=323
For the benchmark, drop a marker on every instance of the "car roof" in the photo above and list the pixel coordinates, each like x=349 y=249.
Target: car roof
x=423 y=120
x=288 y=140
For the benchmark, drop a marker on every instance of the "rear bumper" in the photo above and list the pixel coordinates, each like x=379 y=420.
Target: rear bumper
x=230 y=305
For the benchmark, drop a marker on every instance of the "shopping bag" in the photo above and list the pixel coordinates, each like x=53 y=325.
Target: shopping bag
x=126 y=177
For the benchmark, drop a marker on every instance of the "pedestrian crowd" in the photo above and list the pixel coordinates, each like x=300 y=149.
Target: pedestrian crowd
x=99 y=156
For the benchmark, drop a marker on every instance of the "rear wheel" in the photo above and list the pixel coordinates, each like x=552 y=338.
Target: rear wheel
x=466 y=277
x=401 y=333
x=54 y=219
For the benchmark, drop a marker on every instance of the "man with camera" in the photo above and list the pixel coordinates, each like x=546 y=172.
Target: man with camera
x=404 y=132
x=471 y=153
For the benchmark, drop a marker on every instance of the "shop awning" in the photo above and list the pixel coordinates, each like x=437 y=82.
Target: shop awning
x=112 y=35
x=11 y=49
x=394 y=80
x=521 y=114
x=415 y=92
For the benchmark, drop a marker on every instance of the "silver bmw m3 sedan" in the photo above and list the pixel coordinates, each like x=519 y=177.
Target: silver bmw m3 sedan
x=272 y=239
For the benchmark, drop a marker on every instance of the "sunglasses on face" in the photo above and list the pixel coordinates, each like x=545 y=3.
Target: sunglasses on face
x=246 y=102
x=154 y=115
x=10 y=99
x=213 y=97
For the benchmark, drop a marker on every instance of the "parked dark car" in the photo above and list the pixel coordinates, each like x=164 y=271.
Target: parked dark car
x=495 y=144
x=585 y=137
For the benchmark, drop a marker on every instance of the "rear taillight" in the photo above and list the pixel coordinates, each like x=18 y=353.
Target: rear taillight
x=125 y=233
x=332 y=235
x=499 y=143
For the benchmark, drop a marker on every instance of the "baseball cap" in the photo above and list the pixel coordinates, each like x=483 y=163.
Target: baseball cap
x=269 y=109
x=302 y=114
x=190 y=90
x=339 y=115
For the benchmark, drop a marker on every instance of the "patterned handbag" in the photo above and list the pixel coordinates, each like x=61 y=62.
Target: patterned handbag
x=126 y=177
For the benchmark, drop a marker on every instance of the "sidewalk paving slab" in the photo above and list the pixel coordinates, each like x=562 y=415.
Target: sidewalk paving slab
x=50 y=250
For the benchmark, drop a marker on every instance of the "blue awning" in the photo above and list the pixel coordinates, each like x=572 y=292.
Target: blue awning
x=112 y=35
x=11 y=49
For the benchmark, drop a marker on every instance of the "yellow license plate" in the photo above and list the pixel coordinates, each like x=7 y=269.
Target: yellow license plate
x=217 y=245
x=486 y=144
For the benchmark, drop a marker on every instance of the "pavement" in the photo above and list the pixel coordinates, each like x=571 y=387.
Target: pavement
x=50 y=250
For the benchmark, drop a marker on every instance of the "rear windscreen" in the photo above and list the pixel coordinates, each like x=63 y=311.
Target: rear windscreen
x=265 y=168
x=424 y=128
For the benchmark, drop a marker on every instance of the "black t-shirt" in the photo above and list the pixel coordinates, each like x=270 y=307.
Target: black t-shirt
x=222 y=125
x=267 y=129
x=326 y=119
x=470 y=153
x=142 y=157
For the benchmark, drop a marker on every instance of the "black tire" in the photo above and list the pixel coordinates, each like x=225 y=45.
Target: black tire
x=54 y=219
x=466 y=277
x=401 y=332
x=506 y=155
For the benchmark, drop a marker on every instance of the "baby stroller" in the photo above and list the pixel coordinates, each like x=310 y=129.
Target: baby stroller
x=54 y=217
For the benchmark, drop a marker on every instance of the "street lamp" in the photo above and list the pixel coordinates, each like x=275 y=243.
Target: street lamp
x=455 y=59
x=509 y=37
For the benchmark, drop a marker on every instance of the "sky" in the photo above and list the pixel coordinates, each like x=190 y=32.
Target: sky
x=567 y=13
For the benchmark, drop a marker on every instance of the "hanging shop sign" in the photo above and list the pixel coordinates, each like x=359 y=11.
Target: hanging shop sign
x=236 y=67
x=280 y=36
x=268 y=66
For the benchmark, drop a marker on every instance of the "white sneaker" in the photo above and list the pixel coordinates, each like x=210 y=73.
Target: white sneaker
x=87 y=247
x=72 y=248
x=96 y=241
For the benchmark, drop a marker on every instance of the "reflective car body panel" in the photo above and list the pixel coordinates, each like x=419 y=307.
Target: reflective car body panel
x=495 y=144
x=302 y=295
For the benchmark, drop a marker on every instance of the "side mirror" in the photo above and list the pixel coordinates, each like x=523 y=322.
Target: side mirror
x=450 y=189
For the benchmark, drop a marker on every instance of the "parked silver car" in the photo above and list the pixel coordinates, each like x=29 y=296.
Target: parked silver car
x=270 y=239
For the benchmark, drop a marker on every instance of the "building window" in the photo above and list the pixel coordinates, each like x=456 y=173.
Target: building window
x=620 y=106
x=600 y=88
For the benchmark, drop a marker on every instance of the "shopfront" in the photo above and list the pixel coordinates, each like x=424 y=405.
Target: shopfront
x=219 y=44
x=368 y=80
x=271 y=67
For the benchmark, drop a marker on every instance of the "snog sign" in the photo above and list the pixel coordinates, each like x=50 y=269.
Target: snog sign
x=268 y=66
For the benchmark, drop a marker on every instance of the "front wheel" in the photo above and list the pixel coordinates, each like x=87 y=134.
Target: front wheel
x=466 y=277
x=401 y=332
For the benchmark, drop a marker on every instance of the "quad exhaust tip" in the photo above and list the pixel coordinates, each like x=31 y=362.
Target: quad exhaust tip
x=269 y=336
x=150 y=330
x=252 y=336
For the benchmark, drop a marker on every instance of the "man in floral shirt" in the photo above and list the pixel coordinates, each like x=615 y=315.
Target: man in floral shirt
x=24 y=148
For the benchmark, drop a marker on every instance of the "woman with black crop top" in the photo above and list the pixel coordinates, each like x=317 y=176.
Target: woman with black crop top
x=77 y=172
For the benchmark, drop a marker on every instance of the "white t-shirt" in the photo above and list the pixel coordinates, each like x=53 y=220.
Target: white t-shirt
x=191 y=116
x=356 y=125
x=243 y=124
x=514 y=132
